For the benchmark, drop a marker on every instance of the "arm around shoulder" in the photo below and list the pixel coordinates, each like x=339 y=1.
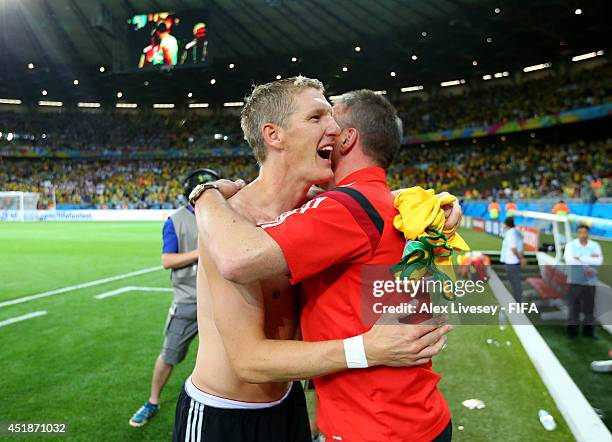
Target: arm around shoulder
x=242 y=252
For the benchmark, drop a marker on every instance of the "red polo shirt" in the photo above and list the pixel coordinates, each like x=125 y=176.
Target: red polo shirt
x=326 y=248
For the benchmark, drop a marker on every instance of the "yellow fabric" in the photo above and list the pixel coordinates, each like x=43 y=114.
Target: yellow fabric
x=418 y=209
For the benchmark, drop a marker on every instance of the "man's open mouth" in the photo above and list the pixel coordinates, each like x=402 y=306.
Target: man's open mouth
x=325 y=152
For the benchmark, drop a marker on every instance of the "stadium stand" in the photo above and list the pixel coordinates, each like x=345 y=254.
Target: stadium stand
x=572 y=170
x=508 y=102
x=517 y=170
x=578 y=170
x=192 y=132
x=99 y=119
x=118 y=132
x=152 y=184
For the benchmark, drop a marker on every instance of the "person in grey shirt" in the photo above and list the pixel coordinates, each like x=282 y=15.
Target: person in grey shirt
x=582 y=255
x=180 y=254
x=512 y=257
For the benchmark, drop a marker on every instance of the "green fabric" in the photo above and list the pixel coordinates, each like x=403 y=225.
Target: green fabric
x=420 y=256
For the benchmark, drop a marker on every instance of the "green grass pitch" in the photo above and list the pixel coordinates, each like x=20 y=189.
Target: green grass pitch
x=88 y=362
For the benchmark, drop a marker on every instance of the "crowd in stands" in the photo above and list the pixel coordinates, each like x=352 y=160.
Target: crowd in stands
x=577 y=170
x=504 y=103
x=574 y=170
x=483 y=170
x=150 y=184
x=192 y=132
x=120 y=132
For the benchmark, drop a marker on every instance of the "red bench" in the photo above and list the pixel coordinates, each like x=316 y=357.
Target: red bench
x=552 y=285
x=542 y=287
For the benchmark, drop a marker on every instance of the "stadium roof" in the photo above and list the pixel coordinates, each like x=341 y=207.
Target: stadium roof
x=419 y=41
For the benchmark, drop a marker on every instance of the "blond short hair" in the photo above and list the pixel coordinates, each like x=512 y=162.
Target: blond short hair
x=271 y=103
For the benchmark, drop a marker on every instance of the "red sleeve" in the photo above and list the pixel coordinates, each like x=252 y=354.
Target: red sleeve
x=318 y=235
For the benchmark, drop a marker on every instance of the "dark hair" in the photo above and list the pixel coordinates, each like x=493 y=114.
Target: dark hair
x=509 y=222
x=155 y=39
x=162 y=27
x=376 y=121
x=198 y=177
x=583 y=226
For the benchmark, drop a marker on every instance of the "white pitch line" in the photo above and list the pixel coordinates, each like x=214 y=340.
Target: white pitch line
x=22 y=318
x=131 y=289
x=79 y=286
x=584 y=424
x=114 y=292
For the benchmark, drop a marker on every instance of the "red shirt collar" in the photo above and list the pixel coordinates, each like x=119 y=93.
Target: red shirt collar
x=365 y=174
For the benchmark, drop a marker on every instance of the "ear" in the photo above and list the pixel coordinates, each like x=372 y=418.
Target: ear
x=272 y=135
x=348 y=140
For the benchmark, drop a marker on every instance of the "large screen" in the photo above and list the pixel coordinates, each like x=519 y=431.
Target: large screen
x=168 y=39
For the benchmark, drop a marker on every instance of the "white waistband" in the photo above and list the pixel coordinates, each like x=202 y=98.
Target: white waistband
x=218 y=402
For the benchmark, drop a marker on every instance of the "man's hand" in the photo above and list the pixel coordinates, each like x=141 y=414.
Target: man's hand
x=228 y=188
x=179 y=260
x=452 y=213
x=523 y=261
x=405 y=345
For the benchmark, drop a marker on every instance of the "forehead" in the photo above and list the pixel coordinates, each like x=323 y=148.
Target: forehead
x=311 y=99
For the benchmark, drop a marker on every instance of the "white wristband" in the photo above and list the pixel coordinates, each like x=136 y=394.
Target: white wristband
x=354 y=351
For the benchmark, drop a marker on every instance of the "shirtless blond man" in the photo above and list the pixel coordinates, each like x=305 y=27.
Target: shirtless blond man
x=231 y=397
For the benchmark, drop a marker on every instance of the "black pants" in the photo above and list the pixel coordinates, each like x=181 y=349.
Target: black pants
x=581 y=299
x=514 y=275
x=284 y=422
x=446 y=435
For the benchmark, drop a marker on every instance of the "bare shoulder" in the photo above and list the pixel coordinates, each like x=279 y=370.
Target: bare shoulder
x=242 y=205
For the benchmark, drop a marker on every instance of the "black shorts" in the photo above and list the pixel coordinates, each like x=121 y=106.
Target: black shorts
x=284 y=422
x=446 y=435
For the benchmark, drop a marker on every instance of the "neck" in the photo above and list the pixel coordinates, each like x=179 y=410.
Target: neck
x=584 y=242
x=273 y=192
x=351 y=164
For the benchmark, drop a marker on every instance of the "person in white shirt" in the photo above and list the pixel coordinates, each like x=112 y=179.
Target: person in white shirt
x=168 y=44
x=582 y=255
x=512 y=257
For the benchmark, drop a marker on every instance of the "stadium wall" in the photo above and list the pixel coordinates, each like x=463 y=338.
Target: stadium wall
x=544 y=121
x=88 y=215
x=597 y=210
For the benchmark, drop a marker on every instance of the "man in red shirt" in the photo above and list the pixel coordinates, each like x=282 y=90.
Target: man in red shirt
x=325 y=244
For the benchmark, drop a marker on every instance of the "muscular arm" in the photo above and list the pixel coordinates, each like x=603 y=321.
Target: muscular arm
x=242 y=252
x=179 y=260
x=239 y=317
